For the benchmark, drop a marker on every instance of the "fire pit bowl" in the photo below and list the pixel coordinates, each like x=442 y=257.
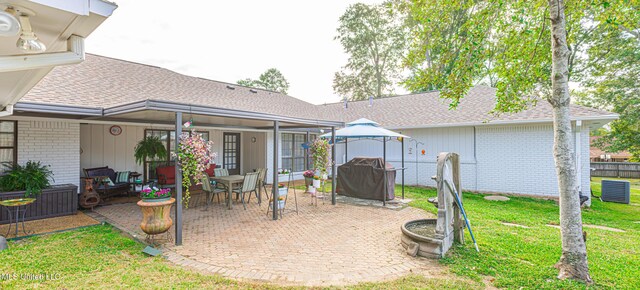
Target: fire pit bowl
x=422 y=234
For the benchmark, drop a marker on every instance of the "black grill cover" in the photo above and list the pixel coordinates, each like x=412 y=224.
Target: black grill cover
x=363 y=178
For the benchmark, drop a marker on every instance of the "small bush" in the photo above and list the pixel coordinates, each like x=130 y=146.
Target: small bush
x=32 y=178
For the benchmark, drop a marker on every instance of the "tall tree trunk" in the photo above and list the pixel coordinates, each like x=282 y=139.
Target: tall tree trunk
x=573 y=262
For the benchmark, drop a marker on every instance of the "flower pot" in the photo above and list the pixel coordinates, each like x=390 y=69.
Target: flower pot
x=311 y=189
x=282 y=191
x=156 y=216
x=156 y=199
x=308 y=181
x=281 y=204
x=316 y=183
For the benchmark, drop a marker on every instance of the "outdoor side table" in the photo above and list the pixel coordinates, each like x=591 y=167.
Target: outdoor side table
x=21 y=205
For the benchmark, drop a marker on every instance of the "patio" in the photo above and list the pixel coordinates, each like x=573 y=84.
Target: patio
x=322 y=245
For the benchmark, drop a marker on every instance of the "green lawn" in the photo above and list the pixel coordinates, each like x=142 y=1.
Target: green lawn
x=100 y=257
x=524 y=257
x=511 y=257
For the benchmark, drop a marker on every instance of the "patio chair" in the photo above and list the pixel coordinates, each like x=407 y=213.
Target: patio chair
x=249 y=185
x=166 y=176
x=210 y=190
x=262 y=175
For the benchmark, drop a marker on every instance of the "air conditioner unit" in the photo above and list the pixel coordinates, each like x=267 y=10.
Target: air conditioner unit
x=615 y=191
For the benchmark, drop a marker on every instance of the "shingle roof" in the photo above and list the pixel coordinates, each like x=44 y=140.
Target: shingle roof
x=103 y=82
x=428 y=109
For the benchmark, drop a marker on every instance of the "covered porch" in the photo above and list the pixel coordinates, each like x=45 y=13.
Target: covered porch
x=108 y=136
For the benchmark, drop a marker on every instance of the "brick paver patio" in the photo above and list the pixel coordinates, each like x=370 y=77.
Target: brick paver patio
x=323 y=245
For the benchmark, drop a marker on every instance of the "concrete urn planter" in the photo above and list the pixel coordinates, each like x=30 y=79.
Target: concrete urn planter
x=156 y=216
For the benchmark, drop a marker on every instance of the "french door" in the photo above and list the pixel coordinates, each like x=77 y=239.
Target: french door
x=231 y=152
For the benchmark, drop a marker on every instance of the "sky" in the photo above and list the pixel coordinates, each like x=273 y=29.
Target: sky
x=231 y=40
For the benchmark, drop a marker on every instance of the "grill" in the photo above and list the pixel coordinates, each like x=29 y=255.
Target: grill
x=364 y=178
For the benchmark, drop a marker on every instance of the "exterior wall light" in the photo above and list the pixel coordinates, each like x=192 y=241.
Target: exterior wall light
x=9 y=24
x=28 y=40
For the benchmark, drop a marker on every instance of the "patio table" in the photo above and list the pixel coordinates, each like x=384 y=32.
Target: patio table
x=229 y=181
x=20 y=205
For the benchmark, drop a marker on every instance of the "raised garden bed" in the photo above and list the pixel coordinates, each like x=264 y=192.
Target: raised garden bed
x=57 y=200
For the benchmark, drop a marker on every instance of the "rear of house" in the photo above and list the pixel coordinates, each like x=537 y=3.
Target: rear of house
x=93 y=114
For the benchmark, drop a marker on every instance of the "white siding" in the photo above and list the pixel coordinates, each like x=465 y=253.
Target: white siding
x=501 y=158
x=516 y=159
x=434 y=141
x=55 y=143
x=253 y=154
x=100 y=148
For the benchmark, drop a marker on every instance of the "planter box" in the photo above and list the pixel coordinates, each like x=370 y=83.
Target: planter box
x=58 y=200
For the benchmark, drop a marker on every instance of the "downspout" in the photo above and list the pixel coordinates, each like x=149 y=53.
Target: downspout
x=578 y=150
x=75 y=54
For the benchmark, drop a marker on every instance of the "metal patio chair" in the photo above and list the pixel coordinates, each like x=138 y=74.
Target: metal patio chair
x=248 y=185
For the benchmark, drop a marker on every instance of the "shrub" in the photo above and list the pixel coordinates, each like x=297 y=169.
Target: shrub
x=31 y=178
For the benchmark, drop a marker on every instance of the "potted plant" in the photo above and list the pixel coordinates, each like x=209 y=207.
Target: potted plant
x=155 y=195
x=282 y=189
x=156 y=210
x=150 y=147
x=31 y=178
x=316 y=181
x=194 y=155
x=308 y=177
x=320 y=150
x=32 y=183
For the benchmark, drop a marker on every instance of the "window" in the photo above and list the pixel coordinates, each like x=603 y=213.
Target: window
x=8 y=145
x=294 y=156
x=167 y=137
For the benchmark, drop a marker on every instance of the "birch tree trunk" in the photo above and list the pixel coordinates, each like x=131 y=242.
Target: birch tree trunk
x=573 y=262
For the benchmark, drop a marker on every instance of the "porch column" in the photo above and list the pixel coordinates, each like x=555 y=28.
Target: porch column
x=178 y=183
x=333 y=165
x=346 y=150
x=306 y=152
x=274 y=187
x=384 y=159
x=403 y=169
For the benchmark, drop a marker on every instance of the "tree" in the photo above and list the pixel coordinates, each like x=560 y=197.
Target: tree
x=611 y=83
x=374 y=39
x=272 y=80
x=509 y=41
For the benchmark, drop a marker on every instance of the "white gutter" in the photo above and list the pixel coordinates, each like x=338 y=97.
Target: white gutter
x=7 y=111
x=73 y=55
x=610 y=117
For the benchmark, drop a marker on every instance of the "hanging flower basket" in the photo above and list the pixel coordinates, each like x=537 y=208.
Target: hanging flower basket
x=194 y=155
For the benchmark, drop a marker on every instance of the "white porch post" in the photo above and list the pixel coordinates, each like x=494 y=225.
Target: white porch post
x=178 y=183
x=274 y=187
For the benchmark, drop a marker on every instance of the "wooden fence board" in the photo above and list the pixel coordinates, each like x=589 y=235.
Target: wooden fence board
x=615 y=169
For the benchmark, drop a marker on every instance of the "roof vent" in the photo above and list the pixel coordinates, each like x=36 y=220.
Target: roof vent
x=231 y=87
x=346 y=103
x=253 y=91
x=371 y=101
